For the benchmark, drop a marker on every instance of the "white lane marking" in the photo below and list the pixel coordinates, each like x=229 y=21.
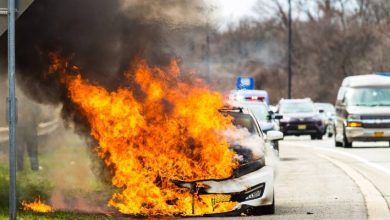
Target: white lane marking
x=360 y=159
x=376 y=205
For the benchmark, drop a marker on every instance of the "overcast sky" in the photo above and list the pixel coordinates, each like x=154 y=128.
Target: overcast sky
x=231 y=11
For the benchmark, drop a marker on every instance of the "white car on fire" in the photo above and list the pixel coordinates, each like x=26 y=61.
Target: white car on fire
x=252 y=184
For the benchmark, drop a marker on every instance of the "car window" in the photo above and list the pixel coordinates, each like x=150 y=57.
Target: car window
x=259 y=110
x=374 y=96
x=327 y=108
x=296 y=107
x=244 y=121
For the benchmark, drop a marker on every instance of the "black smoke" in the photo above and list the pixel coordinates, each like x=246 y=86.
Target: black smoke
x=102 y=37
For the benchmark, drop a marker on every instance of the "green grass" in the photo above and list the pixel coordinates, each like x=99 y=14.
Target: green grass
x=67 y=169
x=24 y=215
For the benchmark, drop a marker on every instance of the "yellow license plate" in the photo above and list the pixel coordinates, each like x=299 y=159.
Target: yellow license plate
x=379 y=134
x=301 y=127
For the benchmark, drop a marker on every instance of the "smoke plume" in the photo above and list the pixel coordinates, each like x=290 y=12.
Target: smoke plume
x=100 y=37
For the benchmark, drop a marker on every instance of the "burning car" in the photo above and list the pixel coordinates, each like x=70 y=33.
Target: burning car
x=264 y=116
x=170 y=151
x=252 y=184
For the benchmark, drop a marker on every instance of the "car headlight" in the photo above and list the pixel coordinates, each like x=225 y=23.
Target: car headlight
x=353 y=117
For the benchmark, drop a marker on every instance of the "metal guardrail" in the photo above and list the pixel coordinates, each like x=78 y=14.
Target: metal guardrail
x=43 y=129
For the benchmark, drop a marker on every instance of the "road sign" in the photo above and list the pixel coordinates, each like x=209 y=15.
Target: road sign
x=247 y=83
x=22 y=5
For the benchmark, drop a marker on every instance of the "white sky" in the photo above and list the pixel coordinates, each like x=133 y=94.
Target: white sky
x=231 y=11
x=236 y=9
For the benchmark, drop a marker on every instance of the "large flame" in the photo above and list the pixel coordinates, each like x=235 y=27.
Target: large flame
x=172 y=133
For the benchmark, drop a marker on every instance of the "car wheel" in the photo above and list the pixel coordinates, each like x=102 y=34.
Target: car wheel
x=276 y=145
x=330 y=135
x=346 y=143
x=313 y=137
x=319 y=136
x=265 y=210
x=336 y=143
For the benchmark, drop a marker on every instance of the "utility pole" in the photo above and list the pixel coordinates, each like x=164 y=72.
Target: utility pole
x=289 y=50
x=208 y=72
x=12 y=109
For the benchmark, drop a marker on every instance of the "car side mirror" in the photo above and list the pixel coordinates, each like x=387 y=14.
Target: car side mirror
x=278 y=117
x=274 y=136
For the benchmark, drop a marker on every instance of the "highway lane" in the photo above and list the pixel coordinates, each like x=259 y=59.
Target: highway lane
x=314 y=182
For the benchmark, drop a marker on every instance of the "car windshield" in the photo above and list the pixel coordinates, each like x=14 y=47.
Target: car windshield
x=243 y=121
x=373 y=96
x=259 y=110
x=296 y=107
x=327 y=108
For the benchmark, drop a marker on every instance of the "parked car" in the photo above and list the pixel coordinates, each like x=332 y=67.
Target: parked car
x=328 y=116
x=300 y=117
x=252 y=183
x=264 y=116
x=363 y=110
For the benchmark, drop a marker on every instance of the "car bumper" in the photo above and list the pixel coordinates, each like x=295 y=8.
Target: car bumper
x=292 y=129
x=240 y=185
x=260 y=181
x=367 y=134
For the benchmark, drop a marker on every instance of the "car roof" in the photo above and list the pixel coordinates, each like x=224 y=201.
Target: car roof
x=323 y=103
x=235 y=109
x=250 y=92
x=371 y=80
x=240 y=103
x=296 y=100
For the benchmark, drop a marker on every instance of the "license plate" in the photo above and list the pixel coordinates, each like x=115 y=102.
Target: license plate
x=301 y=127
x=379 y=134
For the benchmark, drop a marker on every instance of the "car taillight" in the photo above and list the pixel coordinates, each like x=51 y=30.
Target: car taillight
x=255 y=98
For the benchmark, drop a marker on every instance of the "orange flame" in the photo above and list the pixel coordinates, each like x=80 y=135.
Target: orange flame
x=36 y=206
x=170 y=134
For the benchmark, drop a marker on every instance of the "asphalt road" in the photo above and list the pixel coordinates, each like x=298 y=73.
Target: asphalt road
x=316 y=180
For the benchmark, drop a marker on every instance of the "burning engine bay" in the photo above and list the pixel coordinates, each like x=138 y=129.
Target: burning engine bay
x=174 y=133
x=249 y=186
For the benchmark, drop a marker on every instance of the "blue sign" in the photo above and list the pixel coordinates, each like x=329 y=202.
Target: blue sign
x=247 y=83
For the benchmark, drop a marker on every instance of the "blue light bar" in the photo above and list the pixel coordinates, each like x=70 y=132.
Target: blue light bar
x=383 y=74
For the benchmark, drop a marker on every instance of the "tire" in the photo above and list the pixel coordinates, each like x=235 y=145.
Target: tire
x=346 y=143
x=265 y=210
x=336 y=143
x=313 y=137
x=319 y=136
x=276 y=145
